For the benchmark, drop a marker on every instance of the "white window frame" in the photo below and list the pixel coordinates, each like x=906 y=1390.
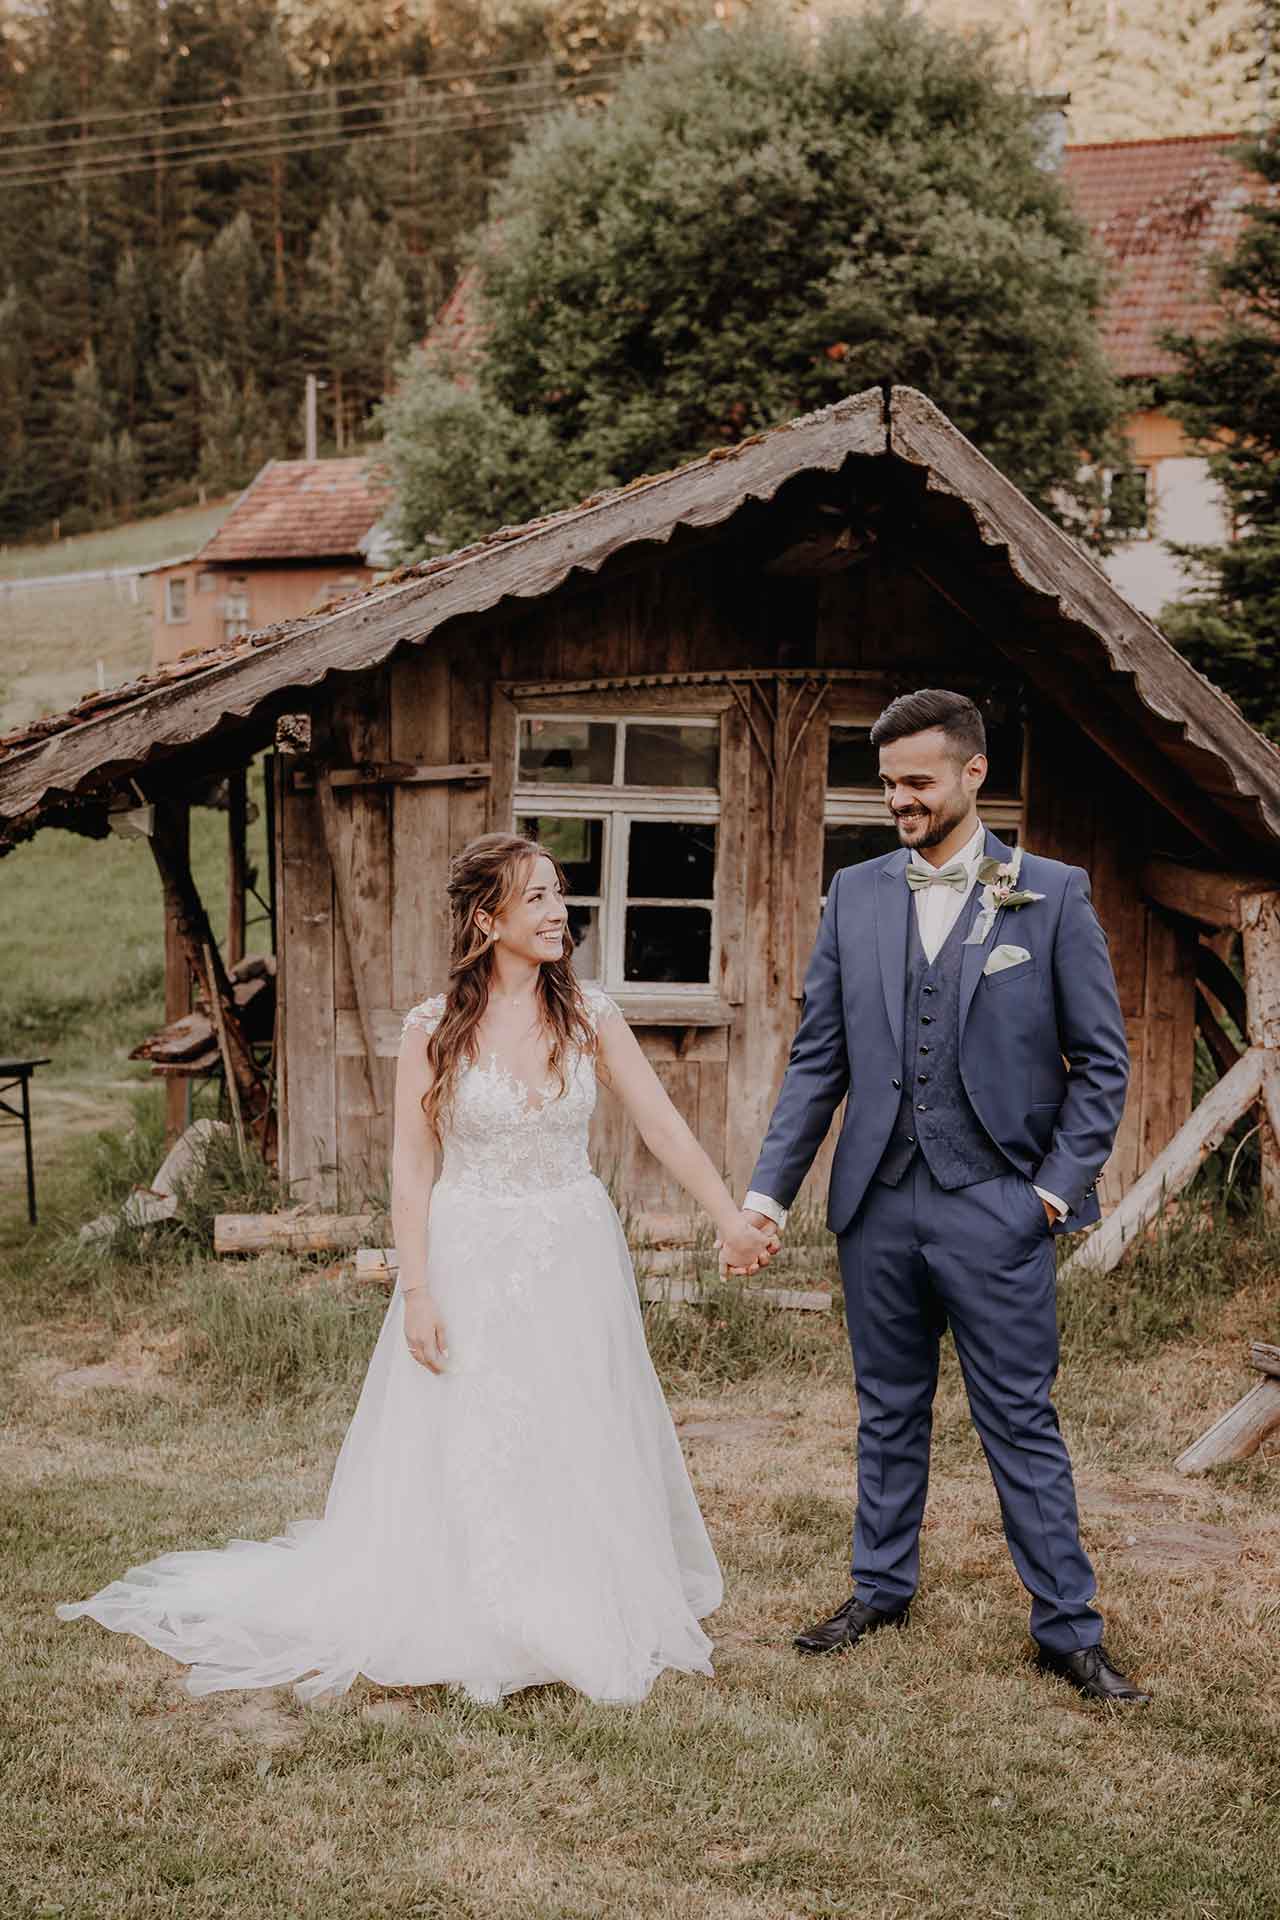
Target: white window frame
x=619 y=806
x=171 y=618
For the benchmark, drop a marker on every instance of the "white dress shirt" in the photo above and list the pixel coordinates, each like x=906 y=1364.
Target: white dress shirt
x=937 y=910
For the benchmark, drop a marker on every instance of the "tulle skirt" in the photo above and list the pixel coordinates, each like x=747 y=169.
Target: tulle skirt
x=524 y=1517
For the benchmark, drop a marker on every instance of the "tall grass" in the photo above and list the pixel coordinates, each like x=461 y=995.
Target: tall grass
x=255 y=1336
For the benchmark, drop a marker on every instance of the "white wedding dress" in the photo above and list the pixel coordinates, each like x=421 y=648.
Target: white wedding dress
x=525 y=1516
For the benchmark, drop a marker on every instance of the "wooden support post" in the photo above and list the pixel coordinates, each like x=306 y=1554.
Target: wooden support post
x=183 y=905
x=1222 y=1048
x=344 y=893
x=1170 y=1171
x=237 y=862
x=1260 y=938
x=177 y=989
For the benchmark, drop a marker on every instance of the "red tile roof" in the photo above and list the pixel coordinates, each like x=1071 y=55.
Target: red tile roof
x=301 y=510
x=1162 y=210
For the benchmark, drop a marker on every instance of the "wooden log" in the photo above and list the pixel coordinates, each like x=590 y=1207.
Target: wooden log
x=1170 y=1171
x=1260 y=945
x=1214 y=899
x=290 y=1232
x=1239 y=1433
x=406 y=773
x=1265 y=1358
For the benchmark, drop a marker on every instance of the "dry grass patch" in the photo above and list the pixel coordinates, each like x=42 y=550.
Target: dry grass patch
x=932 y=1774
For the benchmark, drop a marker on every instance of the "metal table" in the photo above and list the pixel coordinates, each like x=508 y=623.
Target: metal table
x=15 y=1075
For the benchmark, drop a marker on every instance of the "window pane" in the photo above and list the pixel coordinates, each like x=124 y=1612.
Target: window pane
x=660 y=755
x=584 y=925
x=567 y=752
x=668 y=943
x=844 y=845
x=852 y=761
x=671 y=860
x=577 y=844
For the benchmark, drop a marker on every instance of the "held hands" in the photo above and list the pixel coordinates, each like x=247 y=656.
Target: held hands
x=424 y=1330
x=748 y=1244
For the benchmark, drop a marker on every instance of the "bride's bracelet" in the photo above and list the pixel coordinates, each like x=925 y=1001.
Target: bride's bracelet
x=421 y=1288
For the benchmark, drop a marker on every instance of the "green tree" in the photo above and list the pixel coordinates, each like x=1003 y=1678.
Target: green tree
x=1227 y=396
x=760 y=222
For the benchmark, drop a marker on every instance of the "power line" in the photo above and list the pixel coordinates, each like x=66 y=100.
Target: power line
x=42 y=163
x=97 y=116
x=247 y=152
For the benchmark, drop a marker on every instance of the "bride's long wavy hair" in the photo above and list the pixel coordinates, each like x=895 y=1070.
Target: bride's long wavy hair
x=484 y=878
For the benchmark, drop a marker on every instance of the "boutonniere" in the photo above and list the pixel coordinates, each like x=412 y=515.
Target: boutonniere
x=999 y=882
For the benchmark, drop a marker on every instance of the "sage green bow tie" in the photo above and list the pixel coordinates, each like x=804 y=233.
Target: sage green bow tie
x=956 y=875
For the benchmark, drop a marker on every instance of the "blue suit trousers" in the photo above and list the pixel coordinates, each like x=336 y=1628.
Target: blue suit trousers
x=915 y=1259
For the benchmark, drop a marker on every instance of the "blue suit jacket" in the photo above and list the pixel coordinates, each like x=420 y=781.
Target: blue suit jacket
x=1043 y=1054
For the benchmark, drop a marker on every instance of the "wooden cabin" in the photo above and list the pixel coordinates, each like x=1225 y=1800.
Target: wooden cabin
x=672 y=686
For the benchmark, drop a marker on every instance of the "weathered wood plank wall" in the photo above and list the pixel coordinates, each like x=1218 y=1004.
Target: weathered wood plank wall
x=699 y=610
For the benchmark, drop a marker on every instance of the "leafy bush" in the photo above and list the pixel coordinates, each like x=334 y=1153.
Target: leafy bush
x=760 y=222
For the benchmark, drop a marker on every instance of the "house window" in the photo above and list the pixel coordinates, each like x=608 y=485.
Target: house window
x=631 y=809
x=176 y=609
x=856 y=825
x=235 y=610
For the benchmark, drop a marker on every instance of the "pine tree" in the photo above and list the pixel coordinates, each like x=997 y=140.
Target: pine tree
x=1227 y=395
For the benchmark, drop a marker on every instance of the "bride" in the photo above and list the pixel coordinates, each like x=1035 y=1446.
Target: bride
x=510 y=1505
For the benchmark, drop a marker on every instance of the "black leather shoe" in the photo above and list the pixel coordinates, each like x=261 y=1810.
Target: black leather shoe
x=847 y=1625
x=1090 y=1672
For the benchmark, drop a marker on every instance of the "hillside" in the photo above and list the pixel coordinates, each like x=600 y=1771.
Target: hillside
x=53 y=637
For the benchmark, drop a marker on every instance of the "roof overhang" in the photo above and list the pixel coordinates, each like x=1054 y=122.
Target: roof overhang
x=979 y=542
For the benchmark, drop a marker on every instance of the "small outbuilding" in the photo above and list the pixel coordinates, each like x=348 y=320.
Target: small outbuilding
x=672 y=686
x=302 y=533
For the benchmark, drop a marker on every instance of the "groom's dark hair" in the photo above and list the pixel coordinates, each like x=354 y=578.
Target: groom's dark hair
x=955 y=713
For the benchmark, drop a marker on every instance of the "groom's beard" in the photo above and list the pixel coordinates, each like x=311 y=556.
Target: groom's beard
x=936 y=825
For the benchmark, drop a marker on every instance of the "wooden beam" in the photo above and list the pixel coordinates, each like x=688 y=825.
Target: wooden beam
x=1170 y=1171
x=170 y=850
x=1260 y=944
x=237 y=861
x=1265 y=1358
x=1216 y=977
x=1214 y=899
x=405 y=773
x=343 y=888
x=290 y=1232
x=1222 y=1048
x=177 y=984
x=1239 y=1432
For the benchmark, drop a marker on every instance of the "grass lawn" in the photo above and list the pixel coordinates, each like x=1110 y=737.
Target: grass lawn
x=54 y=639
x=82 y=966
x=930 y=1774
x=166 y=536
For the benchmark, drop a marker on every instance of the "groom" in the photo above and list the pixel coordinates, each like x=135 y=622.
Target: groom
x=970 y=1013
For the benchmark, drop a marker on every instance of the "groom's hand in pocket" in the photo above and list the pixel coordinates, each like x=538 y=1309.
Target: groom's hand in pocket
x=750 y=1245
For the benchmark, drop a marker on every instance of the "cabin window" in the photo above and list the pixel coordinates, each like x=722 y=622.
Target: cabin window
x=856 y=825
x=176 y=608
x=631 y=808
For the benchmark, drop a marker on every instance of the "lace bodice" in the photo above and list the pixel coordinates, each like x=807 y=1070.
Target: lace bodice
x=495 y=1141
